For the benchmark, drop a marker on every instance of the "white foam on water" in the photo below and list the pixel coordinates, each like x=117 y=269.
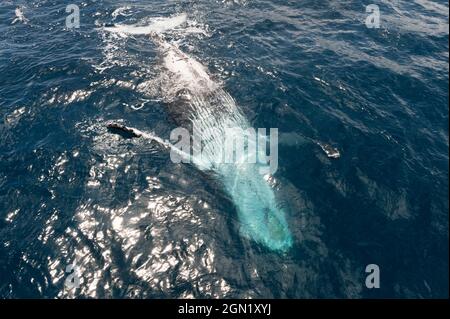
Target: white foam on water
x=20 y=17
x=120 y=12
x=158 y=25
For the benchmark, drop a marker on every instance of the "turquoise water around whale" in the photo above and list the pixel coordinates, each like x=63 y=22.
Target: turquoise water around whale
x=137 y=225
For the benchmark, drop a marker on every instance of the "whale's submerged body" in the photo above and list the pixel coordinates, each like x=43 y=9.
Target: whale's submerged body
x=209 y=108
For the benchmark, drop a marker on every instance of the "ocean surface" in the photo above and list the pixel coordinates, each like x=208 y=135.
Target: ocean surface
x=88 y=213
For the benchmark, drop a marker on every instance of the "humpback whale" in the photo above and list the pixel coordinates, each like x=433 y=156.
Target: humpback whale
x=204 y=105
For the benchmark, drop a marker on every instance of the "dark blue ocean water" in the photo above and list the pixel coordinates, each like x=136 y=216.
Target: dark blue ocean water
x=137 y=225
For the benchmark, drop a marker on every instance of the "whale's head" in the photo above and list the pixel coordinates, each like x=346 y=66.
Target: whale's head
x=265 y=223
x=261 y=218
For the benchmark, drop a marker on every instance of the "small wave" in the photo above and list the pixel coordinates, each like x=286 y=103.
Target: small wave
x=121 y=12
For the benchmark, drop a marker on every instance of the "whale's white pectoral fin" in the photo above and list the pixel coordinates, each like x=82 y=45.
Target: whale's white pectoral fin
x=131 y=132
